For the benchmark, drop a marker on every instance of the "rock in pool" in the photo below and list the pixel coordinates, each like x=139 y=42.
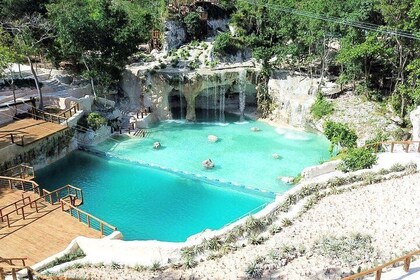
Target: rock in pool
x=275 y=156
x=255 y=129
x=287 y=180
x=208 y=164
x=212 y=138
x=156 y=145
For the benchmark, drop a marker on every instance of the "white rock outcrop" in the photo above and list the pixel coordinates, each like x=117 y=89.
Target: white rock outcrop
x=212 y=138
x=314 y=171
x=208 y=164
x=157 y=145
x=415 y=121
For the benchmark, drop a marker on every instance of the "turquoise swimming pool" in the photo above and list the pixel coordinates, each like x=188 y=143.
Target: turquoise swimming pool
x=146 y=203
x=166 y=194
x=241 y=156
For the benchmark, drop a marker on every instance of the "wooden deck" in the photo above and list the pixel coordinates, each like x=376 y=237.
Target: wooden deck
x=31 y=130
x=41 y=234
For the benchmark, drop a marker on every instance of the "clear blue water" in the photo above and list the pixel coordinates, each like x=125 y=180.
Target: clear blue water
x=241 y=156
x=146 y=203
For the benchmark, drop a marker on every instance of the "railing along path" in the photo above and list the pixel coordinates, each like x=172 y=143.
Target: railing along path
x=406 y=145
x=378 y=270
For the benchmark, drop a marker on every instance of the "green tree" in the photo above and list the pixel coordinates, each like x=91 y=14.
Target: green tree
x=99 y=35
x=193 y=25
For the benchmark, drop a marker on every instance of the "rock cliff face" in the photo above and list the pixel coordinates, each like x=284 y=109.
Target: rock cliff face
x=231 y=88
x=205 y=89
x=293 y=96
x=415 y=121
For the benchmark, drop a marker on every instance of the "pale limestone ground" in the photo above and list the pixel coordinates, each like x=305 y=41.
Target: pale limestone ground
x=387 y=211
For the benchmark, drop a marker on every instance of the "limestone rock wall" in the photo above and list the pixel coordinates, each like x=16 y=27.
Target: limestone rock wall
x=415 y=121
x=293 y=96
x=40 y=153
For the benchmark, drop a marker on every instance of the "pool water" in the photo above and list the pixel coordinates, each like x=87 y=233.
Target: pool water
x=241 y=156
x=146 y=203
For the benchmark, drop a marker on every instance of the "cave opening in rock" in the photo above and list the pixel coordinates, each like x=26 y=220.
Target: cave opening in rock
x=178 y=105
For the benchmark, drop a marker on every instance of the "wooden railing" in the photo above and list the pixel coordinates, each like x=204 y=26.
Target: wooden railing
x=20 y=171
x=378 y=270
x=406 y=145
x=20 y=184
x=7 y=268
x=14 y=138
x=24 y=201
x=84 y=217
x=70 y=112
x=39 y=114
x=62 y=193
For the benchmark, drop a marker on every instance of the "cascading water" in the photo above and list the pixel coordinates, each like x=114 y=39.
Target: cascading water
x=181 y=84
x=242 y=93
x=222 y=98
x=207 y=98
x=215 y=92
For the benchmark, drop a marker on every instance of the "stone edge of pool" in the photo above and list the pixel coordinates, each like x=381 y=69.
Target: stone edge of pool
x=112 y=249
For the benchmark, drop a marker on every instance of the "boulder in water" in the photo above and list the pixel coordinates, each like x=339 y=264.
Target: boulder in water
x=208 y=164
x=287 y=180
x=275 y=156
x=212 y=138
x=255 y=129
x=156 y=145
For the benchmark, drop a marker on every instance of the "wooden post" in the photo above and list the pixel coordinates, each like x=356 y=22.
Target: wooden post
x=78 y=215
x=406 y=266
x=23 y=213
x=36 y=206
x=1 y=216
x=418 y=148
x=102 y=228
x=13 y=140
x=378 y=274
x=62 y=205
x=8 y=221
x=1 y=274
x=392 y=147
x=14 y=274
x=88 y=221
x=23 y=144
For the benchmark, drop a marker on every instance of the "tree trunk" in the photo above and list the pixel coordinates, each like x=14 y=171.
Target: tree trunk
x=91 y=79
x=41 y=101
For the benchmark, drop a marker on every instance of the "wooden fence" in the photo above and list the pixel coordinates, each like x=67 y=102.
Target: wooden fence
x=39 y=114
x=7 y=266
x=62 y=193
x=378 y=270
x=378 y=147
x=86 y=218
x=70 y=112
x=20 y=171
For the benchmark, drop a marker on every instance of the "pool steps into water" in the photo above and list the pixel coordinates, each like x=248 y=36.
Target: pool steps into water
x=215 y=182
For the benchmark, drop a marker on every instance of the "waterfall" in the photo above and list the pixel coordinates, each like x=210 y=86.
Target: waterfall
x=181 y=83
x=222 y=98
x=207 y=98
x=242 y=93
x=222 y=104
x=215 y=91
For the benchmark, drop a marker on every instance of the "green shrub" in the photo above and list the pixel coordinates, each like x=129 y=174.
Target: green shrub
x=321 y=107
x=357 y=159
x=225 y=44
x=340 y=134
x=95 y=121
x=193 y=25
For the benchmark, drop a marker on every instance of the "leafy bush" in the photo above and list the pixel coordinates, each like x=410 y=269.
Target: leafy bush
x=193 y=25
x=95 y=121
x=340 y=134
x=358 y=158
x=225 y=44
x=321 y=107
